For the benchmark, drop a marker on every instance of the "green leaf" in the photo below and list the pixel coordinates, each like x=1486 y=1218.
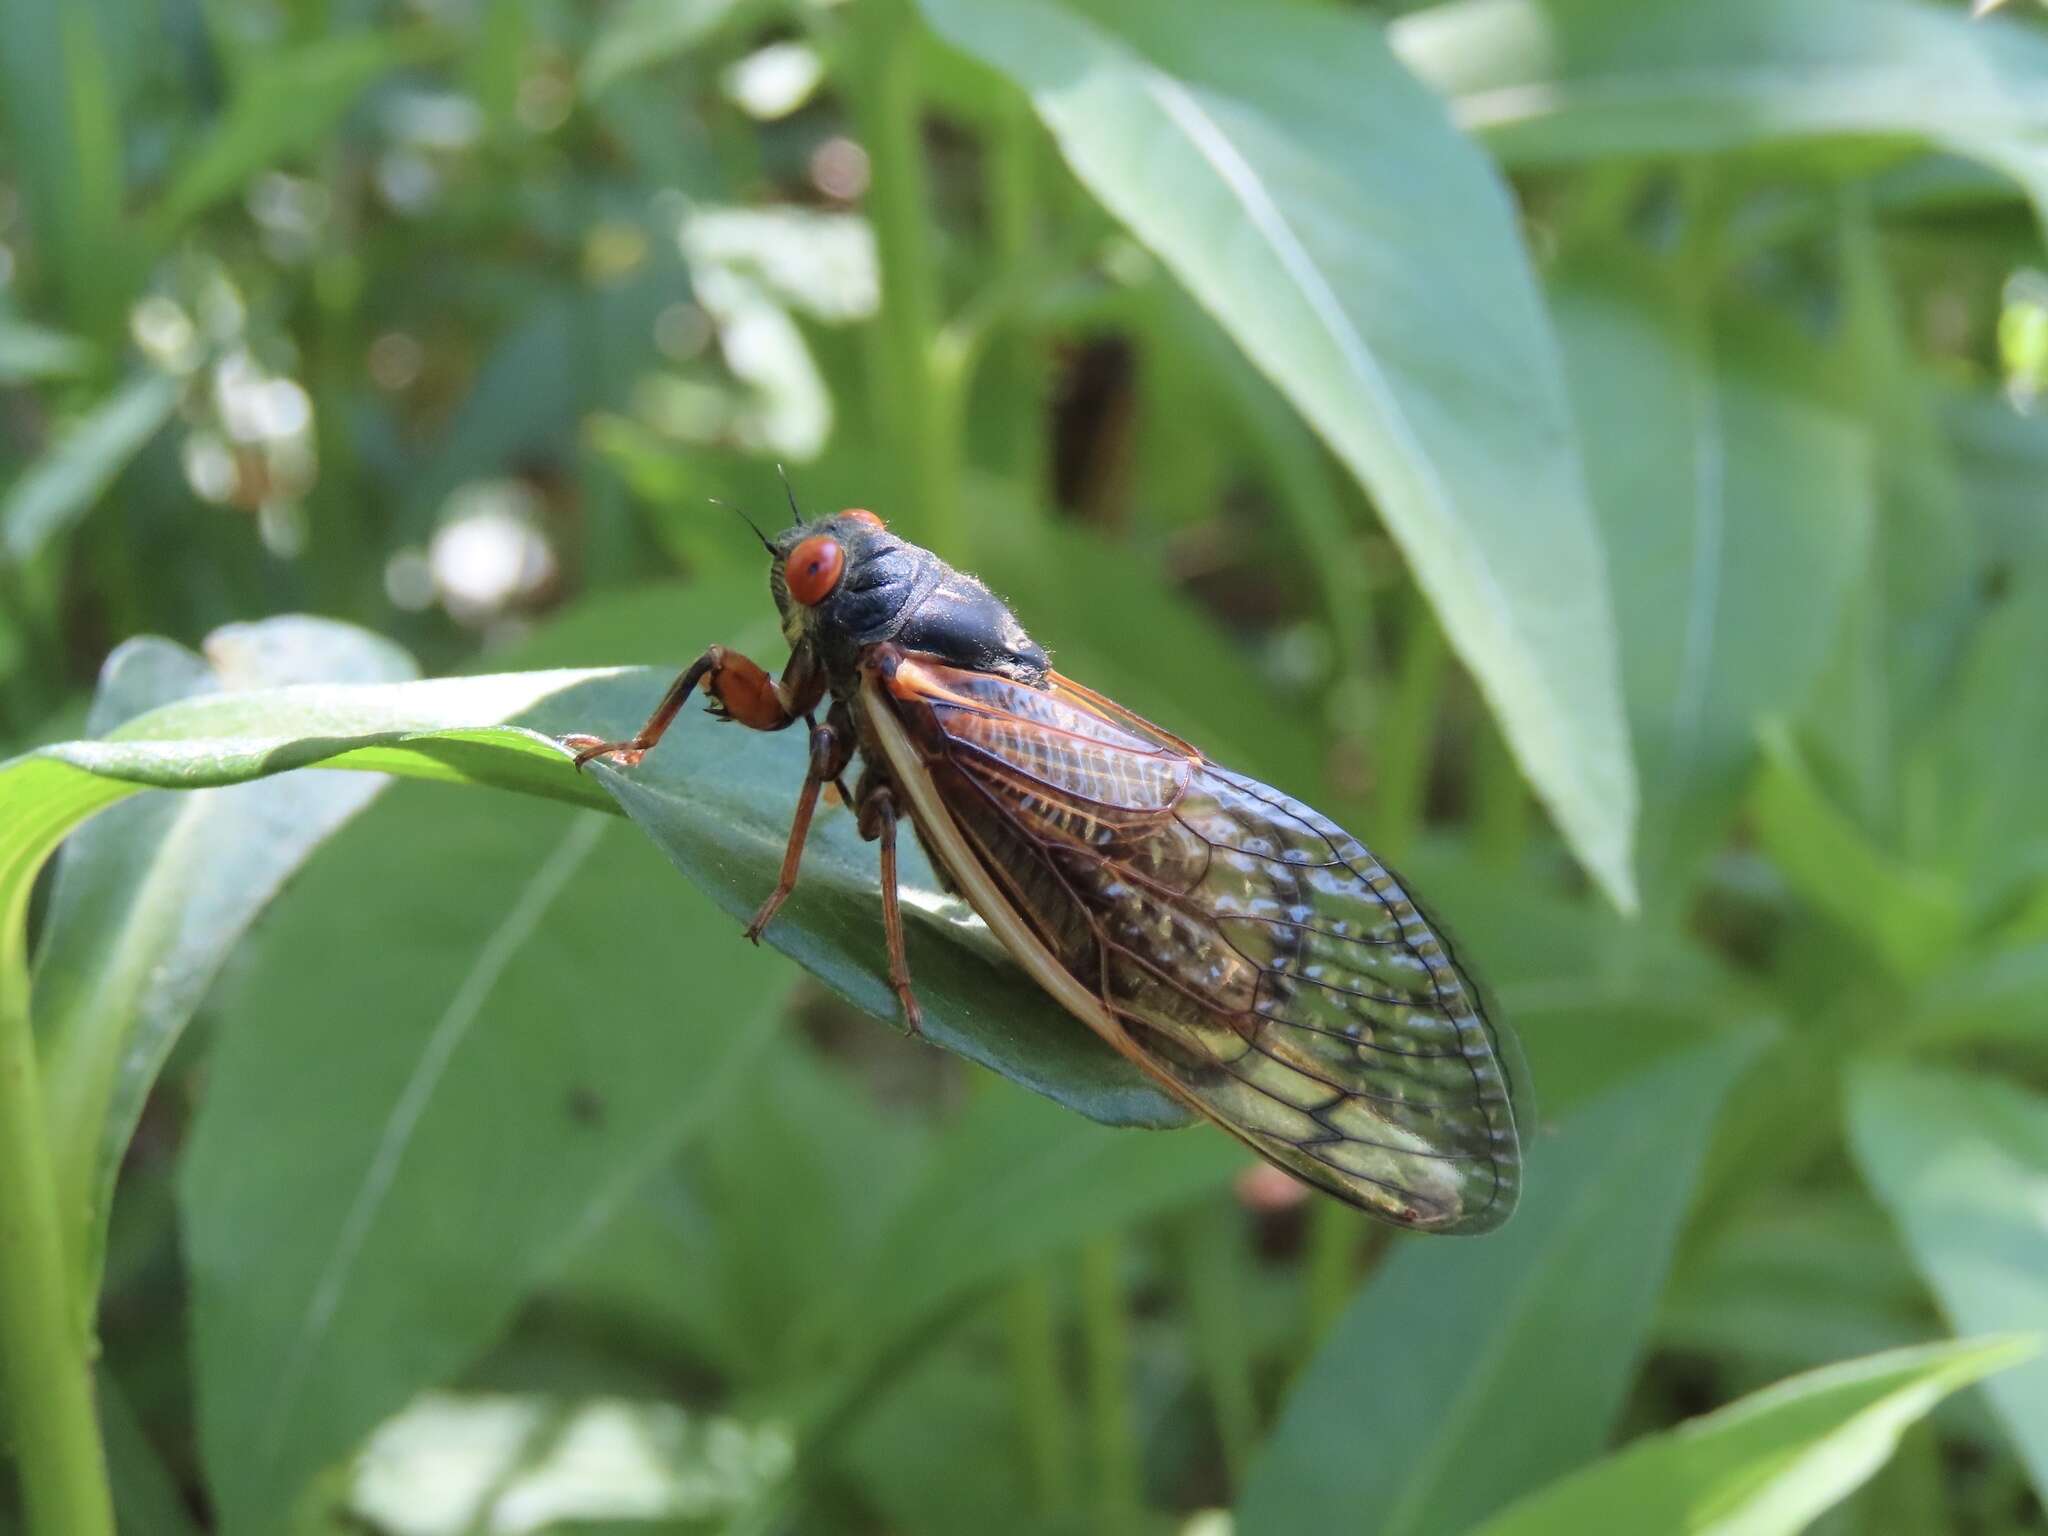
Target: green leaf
x=152 y=895
x=1771 y=1463
x=1550 y=81
x=1365 y=256
x=1730 y=595
x=280 y=110
x=57 y=100
x=1987 y=824
x=2002 y=456
x=29 y=352
x=1961 y=1162
x=63 y=485
x=460 y=1038
x=717 y=801
x=1910 y=917
x=1454 y=1384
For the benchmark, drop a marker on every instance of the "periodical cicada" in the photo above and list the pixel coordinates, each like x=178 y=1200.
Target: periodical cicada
x=1247 y=953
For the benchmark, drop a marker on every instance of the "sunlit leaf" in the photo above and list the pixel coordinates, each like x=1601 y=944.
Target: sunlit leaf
x=1962 y=1164
x=153 y=894
x=1550 y=81
x=1769 y=1464
x=1730 y=595
x=1296 y=180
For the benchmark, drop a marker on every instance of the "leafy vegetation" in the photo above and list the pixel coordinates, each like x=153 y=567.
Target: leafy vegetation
x=1590 y=447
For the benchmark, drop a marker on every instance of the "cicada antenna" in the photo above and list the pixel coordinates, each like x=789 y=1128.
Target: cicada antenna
x=789 y=490
x=766 y=543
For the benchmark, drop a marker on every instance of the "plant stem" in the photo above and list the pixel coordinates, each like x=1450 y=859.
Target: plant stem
x=917 y=411
x=43 y=1336
x=1336 y=1238
x=1041 y=1402
x=1408 y=732
x=1500 y=809
x=1212 y=1266
x=1104 y=1327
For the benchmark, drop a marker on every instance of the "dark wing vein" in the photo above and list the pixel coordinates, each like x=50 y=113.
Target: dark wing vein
x=1261 y=959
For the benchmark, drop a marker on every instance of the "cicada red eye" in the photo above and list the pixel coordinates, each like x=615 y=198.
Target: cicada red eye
x=862 y=515
x=814 y=568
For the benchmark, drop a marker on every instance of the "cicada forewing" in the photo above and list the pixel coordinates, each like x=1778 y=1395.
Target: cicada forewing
x=1245 y=951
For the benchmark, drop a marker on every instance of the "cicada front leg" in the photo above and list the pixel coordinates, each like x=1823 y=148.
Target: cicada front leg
x=740 y=690
x=878 y=822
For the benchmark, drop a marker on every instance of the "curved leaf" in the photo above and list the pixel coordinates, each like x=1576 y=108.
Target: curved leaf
x=1961 y=1162
x=1364 y=255
x=717 y=801
x=1549 y=81
x=1769 y=1464
x=151 y=896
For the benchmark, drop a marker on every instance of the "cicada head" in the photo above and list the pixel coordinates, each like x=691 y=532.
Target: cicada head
x=845 y=582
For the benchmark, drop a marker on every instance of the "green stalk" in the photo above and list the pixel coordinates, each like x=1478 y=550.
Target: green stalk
x=1408 y=732
x=43 y=1331
x=918 y=418
x=1212 y=1267
x=1336 y=1239
x=1042 y=1416
x=1107 y=1334
x=1500 y=809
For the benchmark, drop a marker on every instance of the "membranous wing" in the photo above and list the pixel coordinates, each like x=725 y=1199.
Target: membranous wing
x=1254 y=957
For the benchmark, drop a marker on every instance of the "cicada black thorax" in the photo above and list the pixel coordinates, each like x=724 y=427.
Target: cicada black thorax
x=890 y=591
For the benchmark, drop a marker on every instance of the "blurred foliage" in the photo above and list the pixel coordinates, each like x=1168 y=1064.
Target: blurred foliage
x=1593 y=448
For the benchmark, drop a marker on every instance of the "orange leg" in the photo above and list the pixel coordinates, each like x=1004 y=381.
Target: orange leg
x=878 y=819
x=740 y=690
x=831 y=747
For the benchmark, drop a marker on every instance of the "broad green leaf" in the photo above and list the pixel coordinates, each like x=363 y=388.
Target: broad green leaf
x=1595 y=998
x=1796 y=1282
x=460 y=1039
x=63 y=485
x=717 y=801
x=1771 y=1463
x=1365 y=256
x=1983 y=754
x=1455 y=1382
x=1911 y=918
x=1550 y=81
x=152 y=895
x=1962 y=1162
x=280 y=109
x=2002 y=456
x=1736 y=516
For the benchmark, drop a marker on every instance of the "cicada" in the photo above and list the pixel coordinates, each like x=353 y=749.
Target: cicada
x=1245 y=952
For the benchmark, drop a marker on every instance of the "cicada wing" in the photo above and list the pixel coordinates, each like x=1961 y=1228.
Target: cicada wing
x=1250 y=953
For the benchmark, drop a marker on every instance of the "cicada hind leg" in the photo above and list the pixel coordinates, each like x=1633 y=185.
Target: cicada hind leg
x=878 y=817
